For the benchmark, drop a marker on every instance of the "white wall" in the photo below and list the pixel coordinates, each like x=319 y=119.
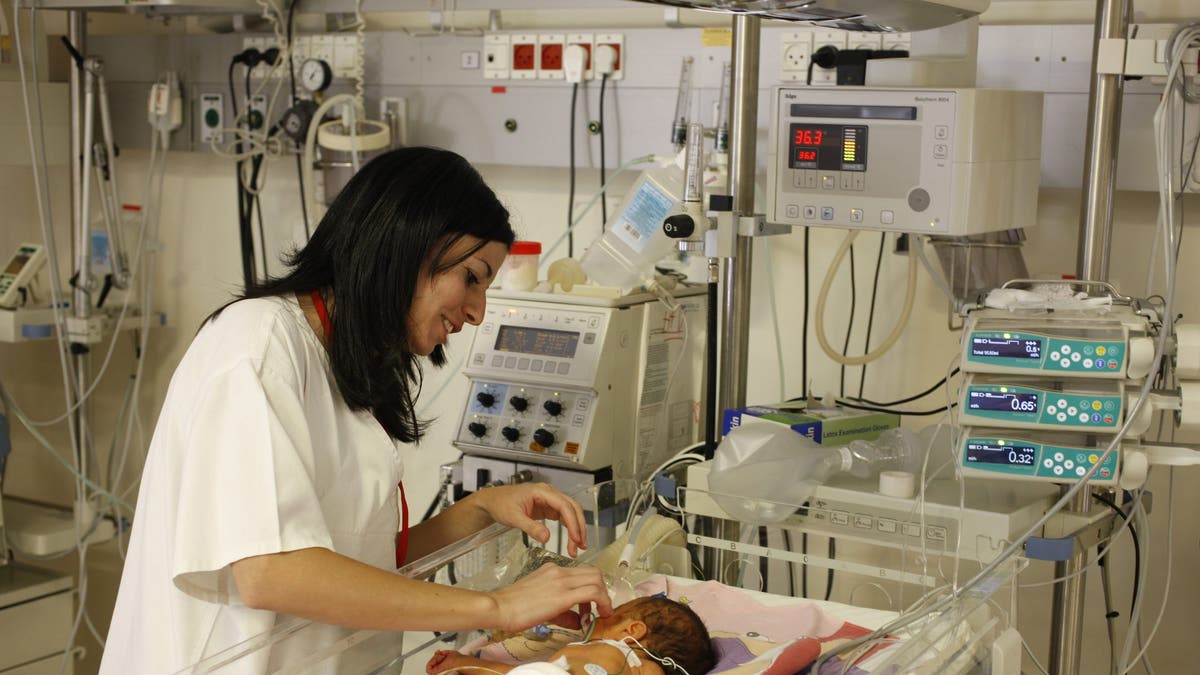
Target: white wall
x=198 y=269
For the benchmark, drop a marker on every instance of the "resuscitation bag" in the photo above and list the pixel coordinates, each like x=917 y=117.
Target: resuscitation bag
x=761 y=473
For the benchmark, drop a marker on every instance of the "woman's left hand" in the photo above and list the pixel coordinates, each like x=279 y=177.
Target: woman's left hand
x=525 y=505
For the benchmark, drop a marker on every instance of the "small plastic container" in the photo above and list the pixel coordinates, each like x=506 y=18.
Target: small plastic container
x=520 y=269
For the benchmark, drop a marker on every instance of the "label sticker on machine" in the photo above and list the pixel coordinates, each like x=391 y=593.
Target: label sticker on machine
x=1022 y=458
x=643 y=216
x=1029 y=406
x=1006 y=350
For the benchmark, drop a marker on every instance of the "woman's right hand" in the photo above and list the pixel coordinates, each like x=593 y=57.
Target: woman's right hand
x=548 y=595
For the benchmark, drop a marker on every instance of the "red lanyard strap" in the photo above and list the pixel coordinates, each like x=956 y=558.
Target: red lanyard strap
x=402 y=536
x=323 y=314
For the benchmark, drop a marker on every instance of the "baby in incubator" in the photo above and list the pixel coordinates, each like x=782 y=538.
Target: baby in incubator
x=647 y=636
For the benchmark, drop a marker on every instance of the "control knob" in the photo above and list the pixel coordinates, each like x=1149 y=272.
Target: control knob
x=486 y=399
x=477 y=429
x=543 y=438
x=554 y=408
x=519 y=403
x=510 y=434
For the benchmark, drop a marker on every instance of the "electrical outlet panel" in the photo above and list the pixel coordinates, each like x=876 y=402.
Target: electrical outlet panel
x=897 y=41
x=495 y=56
x=583 y=40
x=524 y=56
x=257 y=114
x=210 y=119
x=860 y=40
x=796 y=52
x=550 y=56
x=345 y=53
x=321 y=47
x=617 y=42
x=832 y=38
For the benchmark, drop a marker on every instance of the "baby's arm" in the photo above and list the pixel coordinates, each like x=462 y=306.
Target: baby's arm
x=446 y=661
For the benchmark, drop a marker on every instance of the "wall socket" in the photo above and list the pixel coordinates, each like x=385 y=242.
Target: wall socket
x=550 y=56
x=796 y=50
x=524 y=63
x=211 y=116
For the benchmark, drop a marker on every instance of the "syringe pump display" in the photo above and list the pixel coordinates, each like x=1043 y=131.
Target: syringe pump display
x=1030 y=456
x=1098 y=352
x=1042 y=404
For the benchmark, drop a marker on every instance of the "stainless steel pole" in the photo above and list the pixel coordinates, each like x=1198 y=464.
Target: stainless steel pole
x=82 y=95
x=1066 y=619
x=1095 y=237
x=735 y=305
x=736 y=301
x=1100 y=155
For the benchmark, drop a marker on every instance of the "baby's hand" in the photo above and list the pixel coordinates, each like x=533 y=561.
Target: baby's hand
x=442 y=660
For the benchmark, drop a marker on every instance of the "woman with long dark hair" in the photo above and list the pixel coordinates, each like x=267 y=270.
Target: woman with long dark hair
x=271 y=482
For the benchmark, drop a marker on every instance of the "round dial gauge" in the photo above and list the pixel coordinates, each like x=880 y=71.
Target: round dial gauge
x=315 y=75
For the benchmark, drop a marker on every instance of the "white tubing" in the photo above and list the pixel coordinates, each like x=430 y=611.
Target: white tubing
x=310 y=143
x=909 y=296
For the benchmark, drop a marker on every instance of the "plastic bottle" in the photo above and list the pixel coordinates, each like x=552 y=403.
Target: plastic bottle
x=633 y=240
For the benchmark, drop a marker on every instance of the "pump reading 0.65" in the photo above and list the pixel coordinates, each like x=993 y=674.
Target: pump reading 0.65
x=1004 y=401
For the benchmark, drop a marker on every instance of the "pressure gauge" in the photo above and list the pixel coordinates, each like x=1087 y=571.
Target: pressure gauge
x=315 y=75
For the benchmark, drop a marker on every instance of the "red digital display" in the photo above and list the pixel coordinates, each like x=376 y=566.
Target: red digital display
x=807 y=136
x=827 y=147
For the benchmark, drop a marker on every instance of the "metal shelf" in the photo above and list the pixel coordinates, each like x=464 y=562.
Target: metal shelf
x=161 y=7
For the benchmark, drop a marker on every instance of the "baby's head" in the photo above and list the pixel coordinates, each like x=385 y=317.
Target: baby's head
x=668 y=629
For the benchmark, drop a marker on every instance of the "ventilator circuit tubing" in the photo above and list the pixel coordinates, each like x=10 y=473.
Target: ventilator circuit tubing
x=311 y=139
x=819 y=327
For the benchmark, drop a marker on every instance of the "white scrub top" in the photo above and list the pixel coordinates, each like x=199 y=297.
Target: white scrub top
x=255 y=452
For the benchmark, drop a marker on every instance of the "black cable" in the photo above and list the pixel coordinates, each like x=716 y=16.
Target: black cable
x=245 y=236
x=603 y=172
x=262 y=236
x=763 y=566
x=291 y=25
x=710 y=382
x=804 y=566
x=253 y=203
x=907 y=399
x=791 y=566
x=908 y=413
x=571 y=176
x=849 y=324
x=804 y=327
x=1137 y=549
x=862 y=377
x=829 y=572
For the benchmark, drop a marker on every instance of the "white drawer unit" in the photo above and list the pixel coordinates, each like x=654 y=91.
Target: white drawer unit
x=36 y=613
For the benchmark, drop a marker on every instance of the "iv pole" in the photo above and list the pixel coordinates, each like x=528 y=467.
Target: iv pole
x=1095 y=235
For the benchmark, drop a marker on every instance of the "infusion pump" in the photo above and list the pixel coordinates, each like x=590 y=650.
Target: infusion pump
x=933 y=161
x=609 y=387
x=1046 y=392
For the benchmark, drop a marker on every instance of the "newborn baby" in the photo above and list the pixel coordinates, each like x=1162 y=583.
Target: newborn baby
x=651 y=636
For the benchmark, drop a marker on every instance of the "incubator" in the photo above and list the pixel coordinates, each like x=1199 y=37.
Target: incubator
x=753 y=630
